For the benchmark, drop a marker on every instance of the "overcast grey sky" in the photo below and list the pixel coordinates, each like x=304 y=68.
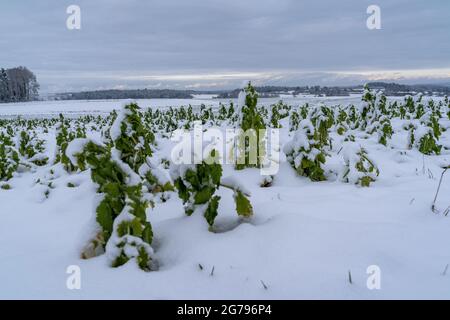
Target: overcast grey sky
x=213 y=44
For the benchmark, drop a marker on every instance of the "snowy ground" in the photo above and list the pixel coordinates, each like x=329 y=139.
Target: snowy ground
x=302 y=242
x=77 y=107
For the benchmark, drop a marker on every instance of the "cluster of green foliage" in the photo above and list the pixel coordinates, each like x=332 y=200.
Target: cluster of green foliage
x=32 y=148
x=294 y=121
x=447 y=103
x=423 y=137
x=372 y=119
x=280 y=111
x=197 y=186
x=417 y=116
x=132 y=138
x=428 y=145
x=125 y=231
x=250 y=146
x=64 y=136
x=360 y=169
x=323 y=119
x=9 y=157
x=226 y=113
x=135 y=142
x=383 y=128
x=306 y=152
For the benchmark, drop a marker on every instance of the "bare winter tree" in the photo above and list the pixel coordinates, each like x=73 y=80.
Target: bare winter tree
x=18 y=84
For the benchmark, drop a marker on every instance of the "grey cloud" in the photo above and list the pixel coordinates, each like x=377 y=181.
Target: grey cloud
x=126 y=38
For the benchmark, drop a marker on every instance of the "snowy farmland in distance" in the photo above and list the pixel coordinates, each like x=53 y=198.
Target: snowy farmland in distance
x=305 y=240
x=94 y=107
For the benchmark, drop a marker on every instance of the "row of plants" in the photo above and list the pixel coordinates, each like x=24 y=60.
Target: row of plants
x=119 y=150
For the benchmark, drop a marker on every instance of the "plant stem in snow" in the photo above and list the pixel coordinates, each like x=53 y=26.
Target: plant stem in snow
x=233 y=188
x=433 y=206
x=445 y=270
x=264 y=285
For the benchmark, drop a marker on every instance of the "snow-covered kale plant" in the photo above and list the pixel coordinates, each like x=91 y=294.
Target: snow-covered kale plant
x=447 y=106
x=279 y=111
x=32 y=149
x=359 y=168
x=207 y=115
x=197 y=185
x=305 y=152
x=275 y=117
x=322 y=118
x=433 y=123
x=341 y=121
x=368 y=109
x=155 y=177
x=64 y=135
x=353 y=119
x=383 y=128
x=423 y=138
x=134 y=143
x=223 y=112
x=294 y=120
x=426 y=141
x=131 y=137
x=250 y=145
x=125 y=232
x=9 y=157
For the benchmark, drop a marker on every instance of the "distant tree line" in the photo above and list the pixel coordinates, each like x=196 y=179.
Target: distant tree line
x=17 y=85
x=395 y=89
x=275 y=91
x=127 y=94
x=390 y=89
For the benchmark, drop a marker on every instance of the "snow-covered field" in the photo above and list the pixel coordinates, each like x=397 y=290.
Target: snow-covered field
x=73 y=108
x=304 y=240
